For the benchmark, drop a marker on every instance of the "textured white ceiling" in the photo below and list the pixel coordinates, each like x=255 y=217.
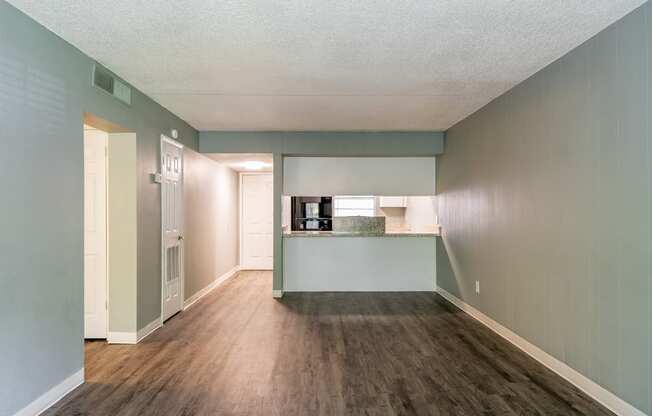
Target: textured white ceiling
x=325 y=64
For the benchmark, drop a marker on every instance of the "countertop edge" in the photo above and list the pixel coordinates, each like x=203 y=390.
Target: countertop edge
x=348 y=234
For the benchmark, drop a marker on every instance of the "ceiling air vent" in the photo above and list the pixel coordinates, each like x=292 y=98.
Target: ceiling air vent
x=106 y=81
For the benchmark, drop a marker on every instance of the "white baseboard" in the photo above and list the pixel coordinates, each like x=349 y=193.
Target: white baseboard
x=122 y=338
x=148 y=329
x=205 y=291
x=277 y=294
x=50 y=397
x=134 y=337
x=588 y=386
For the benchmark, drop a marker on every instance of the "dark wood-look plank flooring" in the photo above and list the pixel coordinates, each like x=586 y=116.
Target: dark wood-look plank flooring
x=240 y=352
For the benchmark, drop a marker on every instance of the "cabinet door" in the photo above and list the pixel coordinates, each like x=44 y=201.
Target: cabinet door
x=393 y=201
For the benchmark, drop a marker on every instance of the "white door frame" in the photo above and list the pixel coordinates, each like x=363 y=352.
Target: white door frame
x=241 y=209
x=106 y=225
x=166 y=139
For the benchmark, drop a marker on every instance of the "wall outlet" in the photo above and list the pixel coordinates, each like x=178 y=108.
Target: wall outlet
x=477 y=287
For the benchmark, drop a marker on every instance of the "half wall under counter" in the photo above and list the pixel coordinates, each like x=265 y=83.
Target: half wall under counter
x=359 y=262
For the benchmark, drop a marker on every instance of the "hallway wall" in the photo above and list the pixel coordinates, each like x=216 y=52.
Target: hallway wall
x=45 y=88
x=544 y=198
x=211 y=221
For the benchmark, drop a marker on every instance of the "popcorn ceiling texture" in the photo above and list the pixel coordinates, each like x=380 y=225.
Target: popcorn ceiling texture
x=325 y=65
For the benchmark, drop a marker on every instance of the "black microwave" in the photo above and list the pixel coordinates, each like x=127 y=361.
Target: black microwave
x=312 y=213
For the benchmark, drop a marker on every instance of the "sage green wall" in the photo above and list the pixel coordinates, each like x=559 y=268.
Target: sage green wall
x=211 y=216
x=544 y=197
x=359 y=176
x=323 y=143
x=316 y=144
x=123 y=232
x=45 y=87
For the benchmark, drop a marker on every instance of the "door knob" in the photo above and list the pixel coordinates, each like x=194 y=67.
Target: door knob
x=180 y=237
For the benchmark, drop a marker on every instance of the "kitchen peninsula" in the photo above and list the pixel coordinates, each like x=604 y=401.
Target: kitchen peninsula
x=359 y=256
x=359 y=224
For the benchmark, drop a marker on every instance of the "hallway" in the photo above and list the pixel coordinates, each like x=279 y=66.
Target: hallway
x=240 y=352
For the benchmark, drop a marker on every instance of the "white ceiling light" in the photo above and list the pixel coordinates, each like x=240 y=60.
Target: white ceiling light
x=254 y=165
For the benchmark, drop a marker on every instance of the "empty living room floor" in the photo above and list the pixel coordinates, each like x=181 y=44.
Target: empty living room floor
x=240 y=352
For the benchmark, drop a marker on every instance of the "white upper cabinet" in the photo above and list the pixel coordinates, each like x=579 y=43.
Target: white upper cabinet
x=393 y=202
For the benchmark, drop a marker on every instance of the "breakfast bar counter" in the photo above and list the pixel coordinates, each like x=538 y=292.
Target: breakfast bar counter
x=294 y=234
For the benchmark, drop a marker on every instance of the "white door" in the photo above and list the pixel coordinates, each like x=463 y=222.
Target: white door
x=257 y=221
x=172 y=226
x=95 y=311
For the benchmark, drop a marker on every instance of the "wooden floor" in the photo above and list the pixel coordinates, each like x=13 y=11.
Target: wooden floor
x=241 y=352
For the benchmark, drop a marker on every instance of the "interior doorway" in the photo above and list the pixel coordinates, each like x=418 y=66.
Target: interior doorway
x=110 y=230
x=95 y=233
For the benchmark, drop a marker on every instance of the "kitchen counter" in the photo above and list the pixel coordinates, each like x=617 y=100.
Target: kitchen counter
x=293 y=234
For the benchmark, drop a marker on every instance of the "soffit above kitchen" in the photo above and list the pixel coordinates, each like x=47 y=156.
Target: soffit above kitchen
x=325 y=65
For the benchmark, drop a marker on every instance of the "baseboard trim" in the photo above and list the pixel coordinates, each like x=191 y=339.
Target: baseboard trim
x=52 y=396
x=588 y=386
x=122 y=338
x=148 y=329
x=205 y=291
x=277 y=294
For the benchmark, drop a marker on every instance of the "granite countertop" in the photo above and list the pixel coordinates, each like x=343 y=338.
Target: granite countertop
x=292 y=234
